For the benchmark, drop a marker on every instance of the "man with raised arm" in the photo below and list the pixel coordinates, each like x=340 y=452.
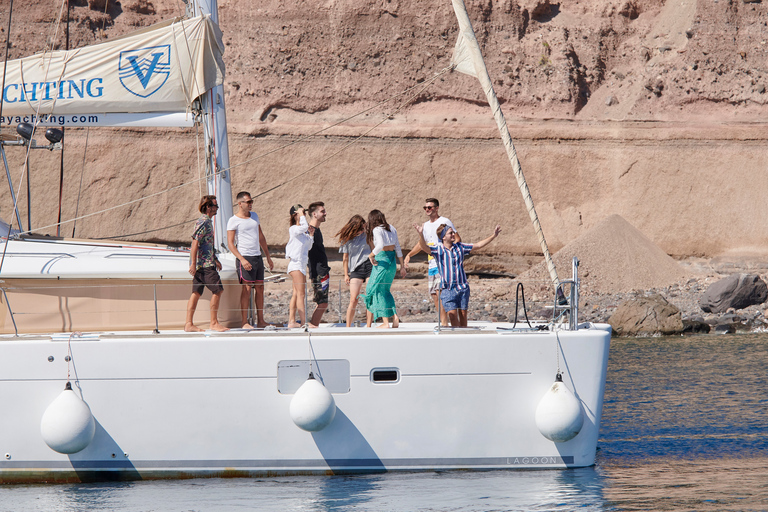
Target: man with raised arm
x=246 y=241
x=204 y=266
x=431 y=207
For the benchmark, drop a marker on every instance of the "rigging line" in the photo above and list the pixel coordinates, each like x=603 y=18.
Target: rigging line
x=36 y=109
x=334 y=125
x=180 y=9
x=145 y=232
x=353 y=141
x=2 y=95
x=80 y=190
x=5 y=62
x=56 y=25
x=199 y=166
x=61 y=159
x=75 y=219
x=104 y=21
x=37 y=118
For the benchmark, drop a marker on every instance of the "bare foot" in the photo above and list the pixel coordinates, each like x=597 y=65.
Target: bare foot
x=218 y=327
x=262 y=325
x=396 y=322
x=313 y=326
x=293 y=325
x=247 y=326
x=192 y=328
x=383 y=326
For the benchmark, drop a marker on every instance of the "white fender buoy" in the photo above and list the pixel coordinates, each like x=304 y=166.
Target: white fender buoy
x=312 y=406
x=68 y=425
x=559 y=416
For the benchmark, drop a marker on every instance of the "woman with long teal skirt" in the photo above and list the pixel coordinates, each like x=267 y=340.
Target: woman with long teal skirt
x=382 y=236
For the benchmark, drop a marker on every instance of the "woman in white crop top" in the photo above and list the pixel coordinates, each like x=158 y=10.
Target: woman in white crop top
x=386 y=250
x=296 y=250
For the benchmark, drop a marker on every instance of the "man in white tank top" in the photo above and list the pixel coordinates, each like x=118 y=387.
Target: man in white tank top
x=246 y=241
x=431 y=207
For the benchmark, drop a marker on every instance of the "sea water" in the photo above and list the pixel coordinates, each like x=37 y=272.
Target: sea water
x=685 y=427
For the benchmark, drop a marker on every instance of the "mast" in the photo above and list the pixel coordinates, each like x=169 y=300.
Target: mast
x=469 y=59
x=217 y=146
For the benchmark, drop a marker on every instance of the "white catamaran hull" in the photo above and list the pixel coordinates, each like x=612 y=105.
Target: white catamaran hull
x=178 y=404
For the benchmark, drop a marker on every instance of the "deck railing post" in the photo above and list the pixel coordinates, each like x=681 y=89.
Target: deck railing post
x=574 y=299
x=157 y=321
x=251 y=305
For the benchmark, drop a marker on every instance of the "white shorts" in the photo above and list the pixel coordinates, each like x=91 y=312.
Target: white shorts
x=296 y=265
x=434 y=284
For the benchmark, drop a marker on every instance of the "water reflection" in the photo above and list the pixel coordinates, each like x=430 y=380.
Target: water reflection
x=686 y=397
x=708 y=484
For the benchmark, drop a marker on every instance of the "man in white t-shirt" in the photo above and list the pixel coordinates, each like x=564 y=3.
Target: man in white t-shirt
x=246 y=241
x=431 y=206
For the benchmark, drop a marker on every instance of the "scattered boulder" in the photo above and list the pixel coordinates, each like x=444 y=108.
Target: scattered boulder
x=696 y=327
x=646 y=316
x=98 y=5
x=141 y=7
x=737 y=291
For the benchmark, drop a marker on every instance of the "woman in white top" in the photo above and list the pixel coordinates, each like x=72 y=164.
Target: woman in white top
x=353 y=244
x=296 y=250
x=382 y=236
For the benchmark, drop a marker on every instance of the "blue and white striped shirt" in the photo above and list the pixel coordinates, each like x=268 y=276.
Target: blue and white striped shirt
x=450 y=263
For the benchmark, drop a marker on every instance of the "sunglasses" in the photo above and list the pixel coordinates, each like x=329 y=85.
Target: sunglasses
x=429 y=208
x=247 y=202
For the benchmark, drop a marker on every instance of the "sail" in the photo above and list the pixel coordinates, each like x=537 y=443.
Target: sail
x=468 y=59
x=162 y=68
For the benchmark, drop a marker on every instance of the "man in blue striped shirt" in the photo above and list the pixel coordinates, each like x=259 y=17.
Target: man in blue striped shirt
x=449 y=255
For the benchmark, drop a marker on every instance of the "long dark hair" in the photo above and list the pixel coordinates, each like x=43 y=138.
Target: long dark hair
x=375 y=219
x=351 y=229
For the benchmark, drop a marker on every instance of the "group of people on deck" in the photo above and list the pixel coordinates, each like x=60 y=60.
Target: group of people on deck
x=371 y=251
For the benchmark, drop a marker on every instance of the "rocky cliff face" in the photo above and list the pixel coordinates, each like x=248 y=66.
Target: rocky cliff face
x=648 y=109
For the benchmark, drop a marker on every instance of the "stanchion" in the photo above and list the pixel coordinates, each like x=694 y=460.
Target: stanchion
x=157 y=321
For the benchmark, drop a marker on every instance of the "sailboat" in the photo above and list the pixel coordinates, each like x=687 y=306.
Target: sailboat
x=114 y=404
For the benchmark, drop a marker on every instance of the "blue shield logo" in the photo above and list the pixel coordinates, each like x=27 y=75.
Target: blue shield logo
x=144 y=71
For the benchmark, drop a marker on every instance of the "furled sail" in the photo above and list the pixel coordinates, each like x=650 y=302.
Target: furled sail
x=162 y=68
x=468 y=59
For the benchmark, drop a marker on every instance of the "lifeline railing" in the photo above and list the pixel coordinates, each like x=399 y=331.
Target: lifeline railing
x=77 y=306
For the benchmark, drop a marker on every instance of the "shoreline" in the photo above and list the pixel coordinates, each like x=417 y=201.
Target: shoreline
x=493 y=298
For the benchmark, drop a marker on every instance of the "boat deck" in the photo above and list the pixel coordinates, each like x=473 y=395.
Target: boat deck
x=335 y=329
